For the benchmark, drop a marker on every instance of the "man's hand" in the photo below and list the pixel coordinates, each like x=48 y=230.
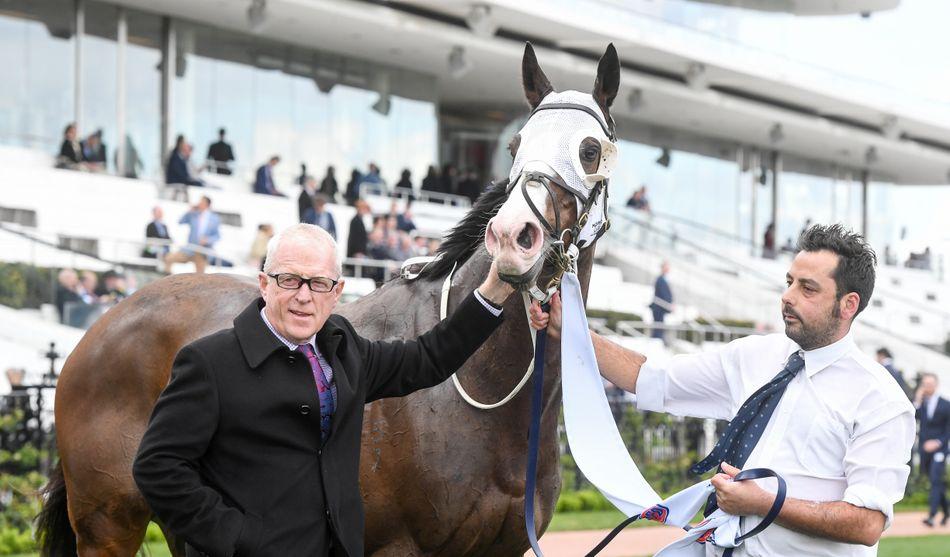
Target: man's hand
x=494 y=289
x=931 y=445
x=552 y=320
x=740 y=498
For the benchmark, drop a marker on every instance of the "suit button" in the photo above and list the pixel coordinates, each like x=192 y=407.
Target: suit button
x=291 y=360
x=304 y=409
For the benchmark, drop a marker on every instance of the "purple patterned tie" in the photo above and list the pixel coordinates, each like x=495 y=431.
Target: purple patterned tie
x=323 y=389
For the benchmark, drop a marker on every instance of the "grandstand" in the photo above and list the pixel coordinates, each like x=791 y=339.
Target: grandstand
x=346 y=83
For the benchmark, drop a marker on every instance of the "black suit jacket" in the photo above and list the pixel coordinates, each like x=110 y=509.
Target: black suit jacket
x=357 y=238
x=937 y=426
x=152 y=231
x=232 y=460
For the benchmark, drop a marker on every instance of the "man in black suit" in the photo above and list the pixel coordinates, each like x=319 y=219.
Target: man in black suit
x=359 y=230
x=70 y=152
x=159 y=231
x=933 y=413
x=221 y=154
x=662 y=300
x=885 y=358
x=253 y=447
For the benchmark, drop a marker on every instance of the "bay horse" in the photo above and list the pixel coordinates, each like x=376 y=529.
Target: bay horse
x=438 y=476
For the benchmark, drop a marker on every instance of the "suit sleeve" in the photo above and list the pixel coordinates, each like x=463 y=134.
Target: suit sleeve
x=166 y=468
x=401 y=367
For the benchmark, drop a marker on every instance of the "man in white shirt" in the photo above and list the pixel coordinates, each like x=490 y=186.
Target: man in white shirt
x=841 y=432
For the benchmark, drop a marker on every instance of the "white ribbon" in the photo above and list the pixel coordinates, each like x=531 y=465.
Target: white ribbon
x=599 y=451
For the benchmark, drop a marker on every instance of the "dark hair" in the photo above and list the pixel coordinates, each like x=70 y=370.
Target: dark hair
x=856 y=259
x=884 y=352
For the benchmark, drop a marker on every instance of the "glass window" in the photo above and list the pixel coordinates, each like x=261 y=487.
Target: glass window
x=36 y=53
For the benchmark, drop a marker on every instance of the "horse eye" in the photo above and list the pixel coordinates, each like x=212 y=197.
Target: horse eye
x=590 y=154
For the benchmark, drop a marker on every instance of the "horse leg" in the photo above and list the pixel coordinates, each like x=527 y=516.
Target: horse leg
x=107 y=524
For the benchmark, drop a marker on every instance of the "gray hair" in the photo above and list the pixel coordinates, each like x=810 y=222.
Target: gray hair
x=307 y=233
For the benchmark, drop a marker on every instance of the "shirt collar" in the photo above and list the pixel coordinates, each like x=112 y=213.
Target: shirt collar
x=288 y=343
x=820 y=358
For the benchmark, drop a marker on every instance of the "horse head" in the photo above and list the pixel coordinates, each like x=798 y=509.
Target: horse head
x=557 y=186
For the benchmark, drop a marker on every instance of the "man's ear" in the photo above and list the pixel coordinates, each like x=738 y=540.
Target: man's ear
x=262 y=281
x=849 y=305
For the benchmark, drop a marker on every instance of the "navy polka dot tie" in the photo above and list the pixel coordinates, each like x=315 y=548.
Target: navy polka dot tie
x=746 y=428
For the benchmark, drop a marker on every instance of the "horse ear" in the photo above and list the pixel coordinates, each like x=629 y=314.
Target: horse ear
x=608 y=79
x=536 y=84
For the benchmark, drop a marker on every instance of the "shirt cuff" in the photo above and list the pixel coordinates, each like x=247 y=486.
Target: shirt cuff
x=492 y=308
x=870 y=497
x=651 y=388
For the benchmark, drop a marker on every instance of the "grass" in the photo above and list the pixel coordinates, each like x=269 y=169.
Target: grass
x=154 y=549
x=927 y=546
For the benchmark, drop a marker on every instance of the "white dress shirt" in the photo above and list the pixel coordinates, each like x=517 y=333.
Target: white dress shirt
x=843 y=430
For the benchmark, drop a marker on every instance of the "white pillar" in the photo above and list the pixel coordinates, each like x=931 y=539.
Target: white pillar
x=169 y=63
x=122 y=38
x=80 y=22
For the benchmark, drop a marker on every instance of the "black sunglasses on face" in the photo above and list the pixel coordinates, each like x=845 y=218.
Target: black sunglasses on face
x=291 y=281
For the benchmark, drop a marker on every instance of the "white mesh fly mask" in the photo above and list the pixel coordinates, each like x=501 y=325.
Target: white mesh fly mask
x=549 y=152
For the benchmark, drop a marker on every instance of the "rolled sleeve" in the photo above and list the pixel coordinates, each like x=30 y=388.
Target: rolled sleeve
x=689 y=385
x=651 y=388
x=876 y=463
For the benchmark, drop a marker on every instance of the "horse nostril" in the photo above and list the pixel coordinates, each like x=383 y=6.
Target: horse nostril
x=526 y=237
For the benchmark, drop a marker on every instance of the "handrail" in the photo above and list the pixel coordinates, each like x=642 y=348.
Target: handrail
x=421 y=195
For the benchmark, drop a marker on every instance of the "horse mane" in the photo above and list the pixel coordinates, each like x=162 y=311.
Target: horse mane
x=460 y=243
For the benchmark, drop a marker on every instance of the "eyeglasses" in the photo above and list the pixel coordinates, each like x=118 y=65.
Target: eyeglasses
x=290 y=281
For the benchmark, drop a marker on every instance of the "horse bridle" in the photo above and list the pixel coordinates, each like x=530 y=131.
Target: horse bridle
x=565 y=252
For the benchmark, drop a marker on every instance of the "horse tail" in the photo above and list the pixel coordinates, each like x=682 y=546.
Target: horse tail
x=53 y=531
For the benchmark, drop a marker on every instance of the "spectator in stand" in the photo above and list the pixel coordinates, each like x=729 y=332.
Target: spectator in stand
x=319 y=215
x=220 y=154
x=178 y=170
x=356 y=242
x=373 y=179
x=70 y=151
x=404 y=221
x=405 y=180
x=638 y=201
x=420 y=246
x=305 y=199
x=264 y=182
x=328 y=186
x=67 y=292
x=469 y=186
x=113 y=287
x=353 y=187
x=94 y=152
x=449 y=180
x=88 y=285
x=434 y=244
x=885 y=358
x=159 y=231
x=662 y=300
x=768 y=242
x=432 y=182
x=259 y=247
x=933 y=413
x=203 y=234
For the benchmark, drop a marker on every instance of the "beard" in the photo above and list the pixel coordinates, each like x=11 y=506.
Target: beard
x=814 y=334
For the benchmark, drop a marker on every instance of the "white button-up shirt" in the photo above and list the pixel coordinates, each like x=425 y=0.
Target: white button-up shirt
x=843 y=430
